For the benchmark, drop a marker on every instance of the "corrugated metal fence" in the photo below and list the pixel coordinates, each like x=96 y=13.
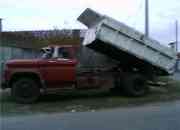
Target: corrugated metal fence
x=7 y=53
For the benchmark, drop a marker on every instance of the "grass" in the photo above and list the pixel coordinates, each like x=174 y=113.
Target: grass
x=86 y=101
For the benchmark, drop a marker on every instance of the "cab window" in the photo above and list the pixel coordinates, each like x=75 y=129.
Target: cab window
x=63 y=53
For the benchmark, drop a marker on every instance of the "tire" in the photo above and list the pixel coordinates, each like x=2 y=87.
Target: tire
x=25 y=90
x=117 y=89
x=135 y=85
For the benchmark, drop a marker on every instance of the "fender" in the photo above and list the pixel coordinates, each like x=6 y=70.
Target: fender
x=19 y=71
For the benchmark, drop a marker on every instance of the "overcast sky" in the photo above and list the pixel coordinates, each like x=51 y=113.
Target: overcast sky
x=48 y=14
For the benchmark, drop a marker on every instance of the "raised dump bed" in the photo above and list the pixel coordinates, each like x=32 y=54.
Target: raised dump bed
x=123 y=43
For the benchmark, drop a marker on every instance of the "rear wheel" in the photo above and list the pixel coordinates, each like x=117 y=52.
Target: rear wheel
x=135 y=85
x=117 y=89
x=25 y=90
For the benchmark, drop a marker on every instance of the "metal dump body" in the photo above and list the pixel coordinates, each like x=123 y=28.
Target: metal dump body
x=124 y=43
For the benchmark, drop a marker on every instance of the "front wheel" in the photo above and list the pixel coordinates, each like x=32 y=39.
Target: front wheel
x=135 y=85
x=25 y=90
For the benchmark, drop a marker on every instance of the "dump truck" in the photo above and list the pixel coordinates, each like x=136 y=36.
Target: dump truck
x=111 y=57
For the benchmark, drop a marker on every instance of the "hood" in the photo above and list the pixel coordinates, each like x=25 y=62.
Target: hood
x=22 y=62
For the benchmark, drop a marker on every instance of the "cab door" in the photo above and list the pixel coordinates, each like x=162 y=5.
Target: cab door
x=59 y=69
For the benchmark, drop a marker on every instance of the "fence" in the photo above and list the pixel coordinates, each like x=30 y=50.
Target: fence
x=7 y=53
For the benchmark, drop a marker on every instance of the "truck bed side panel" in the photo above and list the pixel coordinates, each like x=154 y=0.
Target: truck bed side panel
x=126 y=40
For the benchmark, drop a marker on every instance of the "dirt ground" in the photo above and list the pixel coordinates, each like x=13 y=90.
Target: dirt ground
x=87 y=101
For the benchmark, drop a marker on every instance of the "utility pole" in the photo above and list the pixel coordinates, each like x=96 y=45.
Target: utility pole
x=147 y=18
x=0 y=29
x=176 y=31
x=1 y=51
x=0 y=25
x=0 y=32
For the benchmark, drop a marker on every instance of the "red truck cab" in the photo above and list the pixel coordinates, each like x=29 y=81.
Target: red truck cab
x=56 y=67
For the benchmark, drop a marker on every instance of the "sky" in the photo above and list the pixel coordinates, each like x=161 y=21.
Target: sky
x=20 y=15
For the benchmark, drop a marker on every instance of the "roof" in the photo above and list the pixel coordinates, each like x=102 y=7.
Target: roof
x=41 y=38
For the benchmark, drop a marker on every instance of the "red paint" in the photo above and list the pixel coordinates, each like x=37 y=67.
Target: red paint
x=51 y=70
x=58 y=71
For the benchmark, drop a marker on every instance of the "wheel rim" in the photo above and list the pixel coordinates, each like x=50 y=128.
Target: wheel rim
x=24 y=90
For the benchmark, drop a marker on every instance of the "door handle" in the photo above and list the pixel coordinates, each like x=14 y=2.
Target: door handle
x=52 y=61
